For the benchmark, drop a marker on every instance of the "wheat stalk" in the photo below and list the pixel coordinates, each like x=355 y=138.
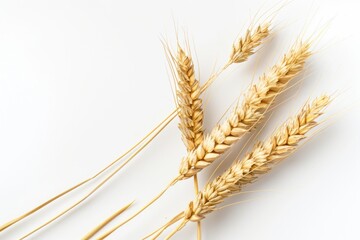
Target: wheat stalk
x=259 y=161
x=104 y=223
x=145 y=141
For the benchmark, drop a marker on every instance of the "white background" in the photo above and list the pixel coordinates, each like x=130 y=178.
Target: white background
x=82 y=81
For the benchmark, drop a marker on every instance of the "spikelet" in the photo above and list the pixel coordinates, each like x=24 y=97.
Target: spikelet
x=247 y=113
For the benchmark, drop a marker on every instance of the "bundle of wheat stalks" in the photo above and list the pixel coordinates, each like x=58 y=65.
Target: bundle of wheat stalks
x=203 y=149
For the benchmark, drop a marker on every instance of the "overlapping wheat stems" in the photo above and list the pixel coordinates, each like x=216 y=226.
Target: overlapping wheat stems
x=190 y=106
x=246 y=114
x=136 y=148
x=259 y=161
x=109 y=219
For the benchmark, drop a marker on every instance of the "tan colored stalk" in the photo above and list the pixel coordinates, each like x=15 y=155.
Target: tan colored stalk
x=190 y=107
x=109 y=219
x=245 y=115
x=151 y=135
x=259 y=161
x=145 y=140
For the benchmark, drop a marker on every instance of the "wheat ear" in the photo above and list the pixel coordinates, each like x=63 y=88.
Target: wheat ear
x=243 y=51
x=188 y=101
x=259 y=161
x=140 y=145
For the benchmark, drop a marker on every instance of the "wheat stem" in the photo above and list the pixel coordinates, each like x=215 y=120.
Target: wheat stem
x=100 y=184
x=160 y=230
x=198 y=224
x=104 y=223
x=137 y=213
x=162 y=124
x=178 y=228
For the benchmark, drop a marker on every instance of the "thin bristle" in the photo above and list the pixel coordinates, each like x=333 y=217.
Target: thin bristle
x=247 y=113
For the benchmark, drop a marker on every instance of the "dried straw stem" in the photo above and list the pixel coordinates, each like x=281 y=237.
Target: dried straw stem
x=259 y=161
x=145 y=141
x=104 y=223
x=97 y=187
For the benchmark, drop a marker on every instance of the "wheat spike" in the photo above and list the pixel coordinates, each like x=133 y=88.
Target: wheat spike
x=245 y=46
x=247 y=113
x=189 y=101
x=259 y=161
